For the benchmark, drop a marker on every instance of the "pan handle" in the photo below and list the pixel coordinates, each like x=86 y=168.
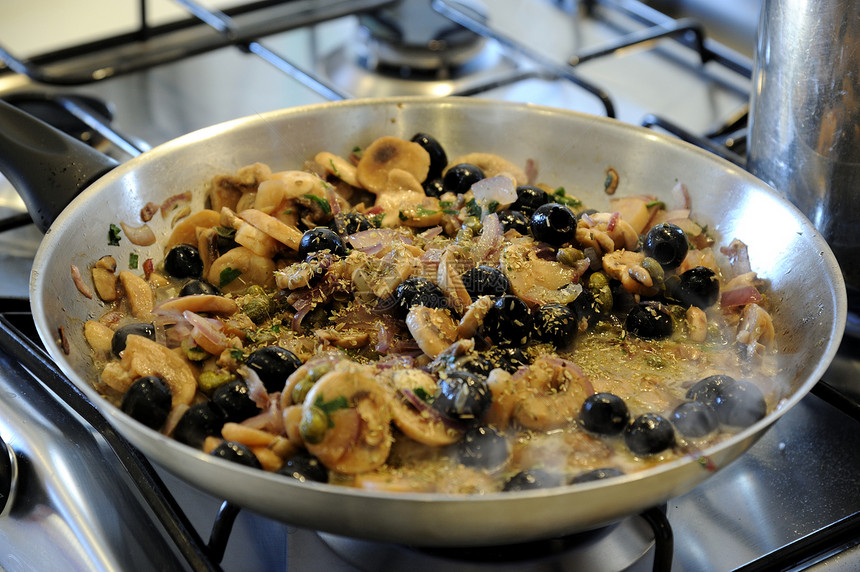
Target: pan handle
x=47 y=167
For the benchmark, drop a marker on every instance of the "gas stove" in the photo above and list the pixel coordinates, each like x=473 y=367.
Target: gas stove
x=169 y=68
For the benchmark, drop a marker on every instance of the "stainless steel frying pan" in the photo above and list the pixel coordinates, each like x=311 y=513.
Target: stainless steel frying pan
x=573 y=150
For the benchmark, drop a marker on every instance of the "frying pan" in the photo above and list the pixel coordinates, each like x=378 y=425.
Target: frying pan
x=573 y=150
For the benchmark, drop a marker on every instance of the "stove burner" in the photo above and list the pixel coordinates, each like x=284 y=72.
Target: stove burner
x=620 y=546
x=411 y=40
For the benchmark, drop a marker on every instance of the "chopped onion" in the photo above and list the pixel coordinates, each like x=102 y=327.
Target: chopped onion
x=740 y=296
x=433 y=414
x=500 y=189
x=491 y=239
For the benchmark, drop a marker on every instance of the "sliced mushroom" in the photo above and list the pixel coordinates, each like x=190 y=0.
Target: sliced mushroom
x=492 y=165
x=414 y=423
x=98 y=335
x=386 y=154
x=283 y=233
x=432 y=328
x=185 y=232
x=357 y=435
x=139 y=294
x=338 y=166
x=238 y=268
x=143 y=357
x=208 y=303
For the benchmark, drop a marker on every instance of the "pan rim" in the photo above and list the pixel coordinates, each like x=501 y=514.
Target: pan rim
x=47 y=246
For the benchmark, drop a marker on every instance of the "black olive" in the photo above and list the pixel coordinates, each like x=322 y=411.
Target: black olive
x=474 y=363
x=273 y=365
x=351 y=223
x=463 y=396
x=740 y=404
x=418 y=291
x=433 y=187
x=438 y=157
x=225 y=239
x=650 y=321
x=201 y=420
x=236 y=453
x=508 y=322
x=183 y=261
x=708 y=389
x=195 y=287
x=531 y=480
x=235 y=400
x=649 y=434
x=694 y=419
x=529 y=198
x=508 y=359
x=319 y=239
x=482 y=447
x=554 y=324
x=304 y=467
x=604 y=413
x=667 y=244
x=460 y=178
x=553 y=223
x=586 y=308
x=120 y=336
x=596 y=475
x=514 y=220
x=698 y=286
x=485 y=281
x=148 y=400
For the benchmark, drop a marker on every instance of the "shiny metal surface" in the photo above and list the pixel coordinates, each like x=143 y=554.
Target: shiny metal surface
x=72 y=509
x=809 y=316
x=804 y=137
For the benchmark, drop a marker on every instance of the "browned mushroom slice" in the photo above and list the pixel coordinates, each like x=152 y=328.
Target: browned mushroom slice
x=143 y=357
x=387 y=153
x=238 y=268
x=492 y=165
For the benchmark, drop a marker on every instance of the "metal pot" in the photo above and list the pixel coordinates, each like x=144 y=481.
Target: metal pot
x=574 y=150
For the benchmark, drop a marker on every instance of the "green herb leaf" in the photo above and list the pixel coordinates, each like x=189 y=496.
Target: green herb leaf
x=329 y=407
x=323 y=204
x=659 y=204
x=334 y=168
x=421 y=394
x=227 y=276
x=402 y=216
x=376 y=220
x=132 y=260
x=492 y=206
x=114 y=235
x=237 y=354
x=473 y=209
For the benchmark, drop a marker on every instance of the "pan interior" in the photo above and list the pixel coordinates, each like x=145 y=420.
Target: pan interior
x=572 y=150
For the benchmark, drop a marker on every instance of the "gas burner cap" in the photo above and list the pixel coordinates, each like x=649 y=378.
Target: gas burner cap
x=620 y=546
x=410 y=38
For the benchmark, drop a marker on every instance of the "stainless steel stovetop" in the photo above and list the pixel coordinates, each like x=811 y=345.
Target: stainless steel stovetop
x=796 y=490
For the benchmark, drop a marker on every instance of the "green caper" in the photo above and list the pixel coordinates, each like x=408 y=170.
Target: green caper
x=569 y=256
x=301 y=388
x=255 y=290
x=313 y=425
x=257 y=308
x=598 y=286
x=192 y=351
x=209 y=381
x=654 y=269
x=473 y=223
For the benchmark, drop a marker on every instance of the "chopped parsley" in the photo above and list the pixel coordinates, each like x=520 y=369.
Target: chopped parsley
x=227 y=276
x=492 y=206
x=114 y=235
x=329 y=407
x=376 y=220
x=473 y=209
x=321 y=202
x=422 y=211
x=132 y=260
x=237 y=354
x=659 y=204
x=561 y=196
x=334 y=168
x=402 y=216
x=422 y=394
